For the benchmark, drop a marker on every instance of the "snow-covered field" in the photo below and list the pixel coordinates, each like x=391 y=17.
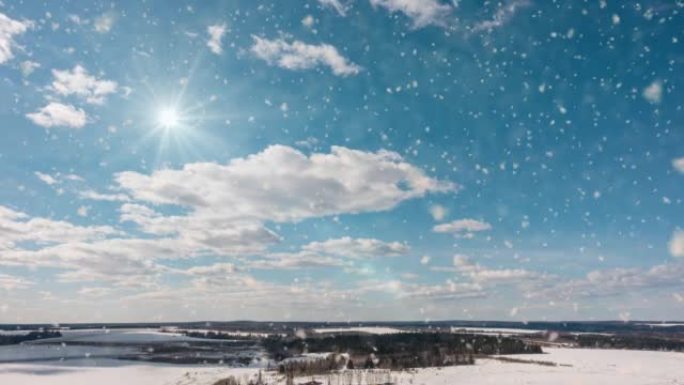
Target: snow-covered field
x=495 y=331
x=129 y=336
x=367 y=329
x=576 y=367
x=114 y=372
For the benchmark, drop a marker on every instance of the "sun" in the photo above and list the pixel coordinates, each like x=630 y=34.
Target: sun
x=168 y=117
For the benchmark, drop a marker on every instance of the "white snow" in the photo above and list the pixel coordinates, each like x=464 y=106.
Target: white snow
x=17 y=332
x=35 y=352
x=119 y=336
x=578 y=367
x=495 y=331
x=113 y=372
x=367 y=329
x=664 y=325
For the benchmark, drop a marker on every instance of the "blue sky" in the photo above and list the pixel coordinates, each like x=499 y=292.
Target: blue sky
x=341 y=160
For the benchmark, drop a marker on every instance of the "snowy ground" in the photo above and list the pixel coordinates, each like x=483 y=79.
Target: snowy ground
x=495 y=331
x=367 y=329
x=578 y=367
x=114 y=372
x=119 y=336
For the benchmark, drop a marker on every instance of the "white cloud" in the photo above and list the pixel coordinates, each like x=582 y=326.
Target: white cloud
x=340 y=252
x=283 y=184
x=27 y=67
x=337 y=5
x=678 y=164
x=96 y=196
x=677 y=244
x=201 y=232
x=10 y=28
x=10 y=282
x=421 y=12
x=78 y=82
x=104 y=23
x=450 y=290
x=216 y=33
x=357 y=248
x=617 y=281
x=46 y=178
x=221 y=269
x=502 y=16
x=123 y=262
x=438 y=212
x=18 y=227
x=462 y=227
x=654 y=92
x=225 y=208
x=95 y=292
x=300 y=260
x=298 y=55
x=308 y=21
x=484 y=275
x=58 y=115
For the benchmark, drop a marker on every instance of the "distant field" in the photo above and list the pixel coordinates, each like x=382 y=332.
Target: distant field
x=576 y=366
x=203 y=353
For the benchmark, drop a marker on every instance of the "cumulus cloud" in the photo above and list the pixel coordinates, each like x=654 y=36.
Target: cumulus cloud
x=677 y=244
x=223 y=211
x=216 y=33
x=502 y=16
x=297 y=55
x=337 y=5
x=462 y=227
x=79 y=82
x=421 y=12
x=56 y=114
x=283 y=184
x=9 y=29
x=678 y=164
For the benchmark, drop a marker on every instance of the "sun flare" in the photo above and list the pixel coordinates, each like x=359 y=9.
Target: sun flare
x=168 y=117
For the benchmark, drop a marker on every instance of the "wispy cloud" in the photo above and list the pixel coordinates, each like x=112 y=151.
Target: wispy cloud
x=104 y=22
x=678 y=164
x=421 y=12
x=297 y=55
x=677 y=244
x=216 y=33
x=337 y=5
x=502 y=16
x=462 y=227
x=9 y=29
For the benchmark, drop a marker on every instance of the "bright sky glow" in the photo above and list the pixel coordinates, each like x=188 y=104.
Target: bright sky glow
x=168 y=117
